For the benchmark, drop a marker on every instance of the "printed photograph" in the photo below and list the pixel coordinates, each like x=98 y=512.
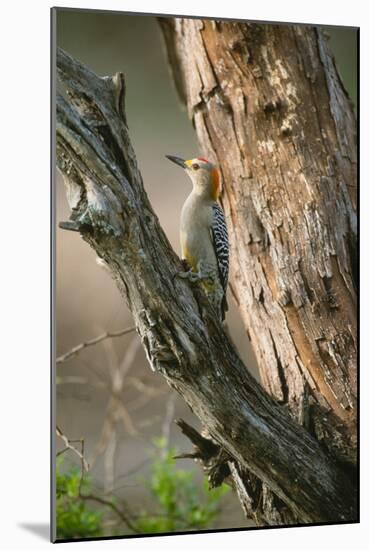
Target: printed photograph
x=205 y=275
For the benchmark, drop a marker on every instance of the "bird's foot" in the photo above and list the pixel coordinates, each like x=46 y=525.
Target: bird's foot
x=192 y=276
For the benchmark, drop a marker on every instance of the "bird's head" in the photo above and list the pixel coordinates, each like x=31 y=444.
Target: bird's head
x=204 y=175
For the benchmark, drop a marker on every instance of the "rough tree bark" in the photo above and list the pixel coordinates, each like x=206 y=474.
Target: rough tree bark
x=252 y=437
x=270 y=109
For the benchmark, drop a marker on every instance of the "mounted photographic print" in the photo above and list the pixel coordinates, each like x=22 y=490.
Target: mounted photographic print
x=205 y=275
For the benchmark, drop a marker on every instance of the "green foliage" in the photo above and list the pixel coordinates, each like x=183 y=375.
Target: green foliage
x=180 y=503
x=74 y=519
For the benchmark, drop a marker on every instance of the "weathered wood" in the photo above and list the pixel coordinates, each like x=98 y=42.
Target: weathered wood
x=181 y=335
x=268 y=106
x=257 y=501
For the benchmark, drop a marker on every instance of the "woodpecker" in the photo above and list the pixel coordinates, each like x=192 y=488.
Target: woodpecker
x=203 y=232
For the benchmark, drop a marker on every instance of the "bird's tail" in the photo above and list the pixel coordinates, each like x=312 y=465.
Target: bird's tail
x=224 y=306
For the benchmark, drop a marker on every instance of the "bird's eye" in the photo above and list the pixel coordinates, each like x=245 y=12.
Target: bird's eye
x=195 y=166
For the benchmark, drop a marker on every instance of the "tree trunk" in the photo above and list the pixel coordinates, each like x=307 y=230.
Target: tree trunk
x=269 y=108
x=256 y=440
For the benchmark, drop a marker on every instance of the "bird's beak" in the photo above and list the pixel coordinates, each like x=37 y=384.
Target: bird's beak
x=177 y=160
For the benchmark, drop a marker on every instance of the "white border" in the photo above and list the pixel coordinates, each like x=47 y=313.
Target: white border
x=24 y=220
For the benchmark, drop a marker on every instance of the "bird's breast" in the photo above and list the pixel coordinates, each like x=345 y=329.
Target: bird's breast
x=195 y=236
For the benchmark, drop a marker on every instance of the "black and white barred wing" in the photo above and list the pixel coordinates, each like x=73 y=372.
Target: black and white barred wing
x=221 y=244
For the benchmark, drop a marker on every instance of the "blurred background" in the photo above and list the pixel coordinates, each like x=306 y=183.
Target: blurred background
x=107 y=394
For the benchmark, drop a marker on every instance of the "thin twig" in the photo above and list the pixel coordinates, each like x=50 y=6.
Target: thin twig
x=111 y=505
x=68 y=445
x=74 y=351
